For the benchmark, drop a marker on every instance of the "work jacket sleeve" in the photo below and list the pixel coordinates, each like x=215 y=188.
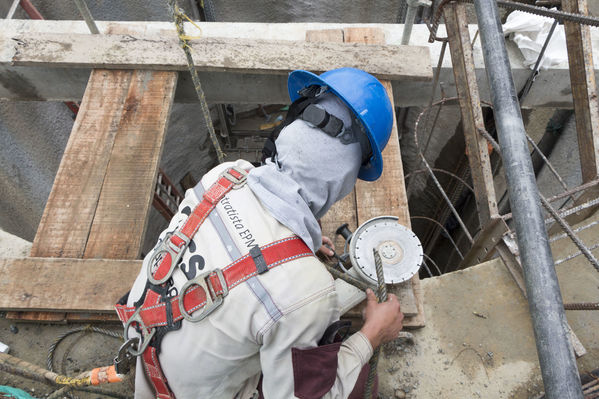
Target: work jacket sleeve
x=291 y=362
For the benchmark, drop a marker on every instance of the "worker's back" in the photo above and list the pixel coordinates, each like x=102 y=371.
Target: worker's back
x=259 y=320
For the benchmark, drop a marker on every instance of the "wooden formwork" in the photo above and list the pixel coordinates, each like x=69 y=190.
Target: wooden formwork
x=86 y=251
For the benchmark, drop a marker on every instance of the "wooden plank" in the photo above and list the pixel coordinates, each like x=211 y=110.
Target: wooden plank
x=122 y=184
x=64 y=285
x=67 y=218
x=584 y=89
x=343 y=211
x=325 y=35
x=121 y=217
x=472 y=115
x=223 y=54
x=387 y=195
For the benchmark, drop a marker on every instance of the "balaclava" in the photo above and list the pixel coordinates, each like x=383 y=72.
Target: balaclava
x=311 y=172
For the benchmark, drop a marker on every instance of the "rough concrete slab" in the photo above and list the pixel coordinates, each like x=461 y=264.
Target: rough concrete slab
x=478 y=341
x=12 y=246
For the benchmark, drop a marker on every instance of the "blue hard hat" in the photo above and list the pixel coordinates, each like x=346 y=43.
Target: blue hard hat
x=365 y=96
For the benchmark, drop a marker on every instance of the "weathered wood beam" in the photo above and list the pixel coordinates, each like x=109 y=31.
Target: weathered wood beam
x=215 y=54
x=472 y=114
x=63 y=285
x=66 y=222
x=387 y=195
x=584 y=89
x=551 y=88
x=99 y=203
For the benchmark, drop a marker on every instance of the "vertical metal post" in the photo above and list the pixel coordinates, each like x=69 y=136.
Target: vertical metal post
x=558 y=367
x=410 y=17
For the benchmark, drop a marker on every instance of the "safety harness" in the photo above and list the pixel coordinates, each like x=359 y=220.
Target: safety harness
x=157 y=313
x=305 y=108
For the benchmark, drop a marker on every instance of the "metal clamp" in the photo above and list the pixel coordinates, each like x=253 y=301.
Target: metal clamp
x=203 y=280
x=145 y=338
x=167 y=247
x=122 y=361
x=237 y=182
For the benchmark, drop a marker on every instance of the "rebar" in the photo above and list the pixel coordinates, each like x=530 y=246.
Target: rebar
x=445 y=230
x=544 y=158
x=453 y=175
x=382 y=296
x=583 y=248
x=574 y=255
x=576 y=230
x=434 y=264
x=581 y=306
x=448 y=201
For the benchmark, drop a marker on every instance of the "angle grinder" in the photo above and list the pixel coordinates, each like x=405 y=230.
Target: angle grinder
x=399 y=248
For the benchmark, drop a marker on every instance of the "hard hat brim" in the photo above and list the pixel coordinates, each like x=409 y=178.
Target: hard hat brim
x=300 y=79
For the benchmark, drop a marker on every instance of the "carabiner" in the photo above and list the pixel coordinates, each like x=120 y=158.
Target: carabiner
x=145 y=338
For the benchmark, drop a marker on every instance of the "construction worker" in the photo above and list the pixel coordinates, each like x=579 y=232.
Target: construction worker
x=232 y=300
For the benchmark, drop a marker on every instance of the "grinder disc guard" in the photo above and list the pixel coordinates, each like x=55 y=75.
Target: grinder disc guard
x=399 y=248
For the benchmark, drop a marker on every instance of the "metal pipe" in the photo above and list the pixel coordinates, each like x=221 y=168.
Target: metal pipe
x=410 y=17
x=87 y=16
x=556 y=357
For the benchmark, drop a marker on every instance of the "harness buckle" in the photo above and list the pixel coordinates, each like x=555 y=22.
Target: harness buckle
x=167 y=247
x=145 y=338
x=122 y=361
x=203 y=280
x=238 y=182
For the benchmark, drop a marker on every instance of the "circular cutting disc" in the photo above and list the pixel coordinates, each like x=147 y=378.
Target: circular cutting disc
x=400 y=250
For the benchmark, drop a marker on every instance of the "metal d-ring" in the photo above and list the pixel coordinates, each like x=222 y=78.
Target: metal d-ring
x=203 y=281
x=167 y=247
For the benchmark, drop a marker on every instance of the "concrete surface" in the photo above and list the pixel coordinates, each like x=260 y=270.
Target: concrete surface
x=478 y=340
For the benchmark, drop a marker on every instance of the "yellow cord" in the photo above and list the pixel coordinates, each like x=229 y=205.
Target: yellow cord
x=184 y=36
x=73 y=381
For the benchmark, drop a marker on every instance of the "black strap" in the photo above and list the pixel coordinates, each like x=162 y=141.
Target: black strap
x=320 y=118
x=305 y=109
x=295 y=110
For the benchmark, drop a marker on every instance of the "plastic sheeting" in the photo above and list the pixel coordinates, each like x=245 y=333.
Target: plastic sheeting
x=529 y=32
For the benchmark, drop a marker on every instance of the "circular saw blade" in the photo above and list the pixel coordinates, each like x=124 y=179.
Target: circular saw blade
x=399 y=248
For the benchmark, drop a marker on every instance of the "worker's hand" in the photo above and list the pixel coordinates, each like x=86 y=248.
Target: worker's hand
x=382 y=321
x=323 y=250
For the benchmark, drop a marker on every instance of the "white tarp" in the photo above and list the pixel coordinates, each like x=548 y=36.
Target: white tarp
x=529 y=32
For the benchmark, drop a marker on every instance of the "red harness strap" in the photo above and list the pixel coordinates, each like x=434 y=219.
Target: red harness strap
x=154 y=313
x=173 y=246
x=205 y=292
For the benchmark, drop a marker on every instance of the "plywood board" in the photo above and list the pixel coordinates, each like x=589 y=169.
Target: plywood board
x=223 y=54
x=64 y=284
